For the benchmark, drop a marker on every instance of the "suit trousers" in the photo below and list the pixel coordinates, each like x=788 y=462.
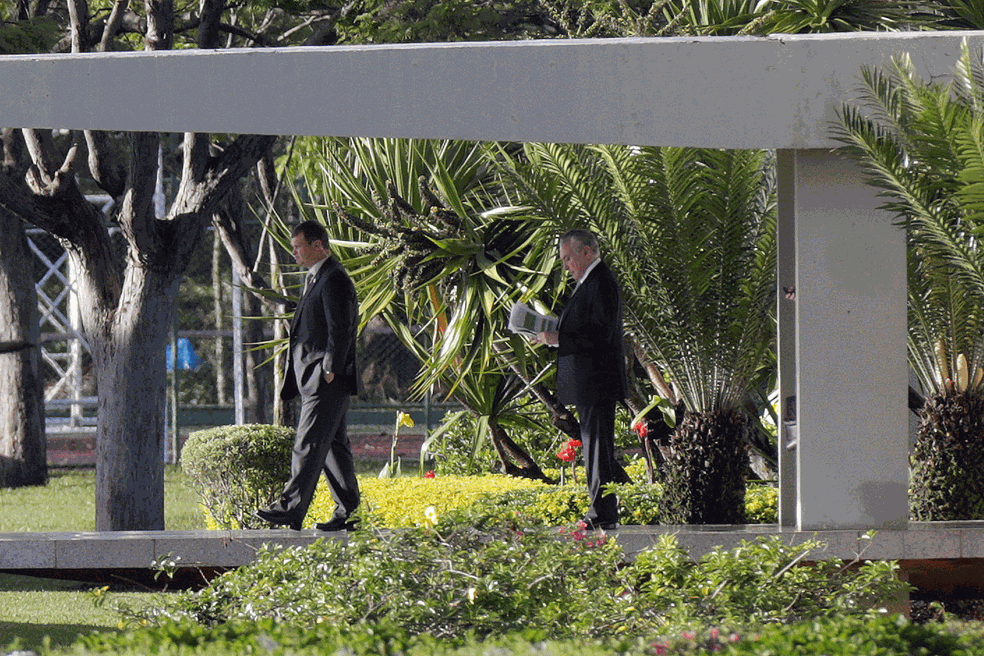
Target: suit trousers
x=322 y=445
x=598 y=439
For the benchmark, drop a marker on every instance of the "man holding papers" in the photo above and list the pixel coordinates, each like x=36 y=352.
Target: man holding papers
x=591 y=365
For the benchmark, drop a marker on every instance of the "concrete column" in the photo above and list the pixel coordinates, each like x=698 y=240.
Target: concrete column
x=852 y=452
x=786 y=334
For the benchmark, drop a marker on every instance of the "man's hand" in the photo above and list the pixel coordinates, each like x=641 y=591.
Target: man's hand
x=551 y=338
x=329 y=376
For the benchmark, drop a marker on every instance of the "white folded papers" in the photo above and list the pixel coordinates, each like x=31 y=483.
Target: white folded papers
x=526 y=321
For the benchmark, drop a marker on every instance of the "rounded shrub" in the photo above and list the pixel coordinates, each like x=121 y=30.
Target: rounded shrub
x=238 y=469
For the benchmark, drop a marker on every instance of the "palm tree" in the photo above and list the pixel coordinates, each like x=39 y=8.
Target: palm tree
x=417 y=225
x=921 y=144
x=691 y=235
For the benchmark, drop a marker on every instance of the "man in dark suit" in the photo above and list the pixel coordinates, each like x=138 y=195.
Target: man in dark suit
x=321 y=370
x=591 y=365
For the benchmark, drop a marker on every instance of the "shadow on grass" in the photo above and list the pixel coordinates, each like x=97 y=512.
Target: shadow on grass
x=22 y=635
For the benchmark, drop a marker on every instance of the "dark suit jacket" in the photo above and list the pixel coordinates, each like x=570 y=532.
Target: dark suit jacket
x=590 y=353
x=323 y=334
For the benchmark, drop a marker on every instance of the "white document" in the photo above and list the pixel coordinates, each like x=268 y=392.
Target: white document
x=526 y=321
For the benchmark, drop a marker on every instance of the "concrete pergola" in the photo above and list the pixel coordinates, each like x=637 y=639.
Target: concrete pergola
x=842 y=342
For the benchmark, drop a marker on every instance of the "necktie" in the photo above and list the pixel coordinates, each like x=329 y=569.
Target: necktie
x=308 y=279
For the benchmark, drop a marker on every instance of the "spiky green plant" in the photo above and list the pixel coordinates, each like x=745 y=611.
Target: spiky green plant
x=818 y=16
x=690 y=234
x=922 y=145
x=417 y=224
x=740 y=17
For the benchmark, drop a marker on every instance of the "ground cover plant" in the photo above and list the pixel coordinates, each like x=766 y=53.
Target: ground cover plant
x=486 y=571
x=485 y=580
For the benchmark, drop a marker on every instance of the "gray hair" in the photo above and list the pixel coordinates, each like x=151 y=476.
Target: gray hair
x=582 y=237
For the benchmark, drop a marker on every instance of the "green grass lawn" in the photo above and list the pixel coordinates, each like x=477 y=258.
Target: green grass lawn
x=34 y=609
x=67 y=503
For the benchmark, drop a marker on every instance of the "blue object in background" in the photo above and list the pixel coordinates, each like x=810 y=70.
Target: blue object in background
x=187 y=358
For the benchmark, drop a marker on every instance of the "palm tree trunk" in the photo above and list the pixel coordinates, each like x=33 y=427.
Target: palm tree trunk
x=948 y=459
x=704 y=475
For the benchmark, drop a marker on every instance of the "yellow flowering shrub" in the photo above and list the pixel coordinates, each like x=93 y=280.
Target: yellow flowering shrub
x=411 y=501
x=402 y=502
x=761 y=504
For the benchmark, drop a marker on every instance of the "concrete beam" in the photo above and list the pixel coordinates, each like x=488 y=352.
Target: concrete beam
x=751 y=92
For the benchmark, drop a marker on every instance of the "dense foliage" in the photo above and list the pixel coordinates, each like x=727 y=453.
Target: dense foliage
x=690 y=233
x=851 y=636
x=478 y=573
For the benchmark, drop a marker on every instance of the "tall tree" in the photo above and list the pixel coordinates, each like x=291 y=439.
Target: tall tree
x=23 y=453
x=127 y=303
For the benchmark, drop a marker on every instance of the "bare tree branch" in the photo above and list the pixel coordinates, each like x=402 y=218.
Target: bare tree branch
x=113 y=25
x=160 y=25
x=78 y=10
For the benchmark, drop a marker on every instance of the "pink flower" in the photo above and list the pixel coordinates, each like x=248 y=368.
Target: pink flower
x=429 y=474
x=642 y=428
x=661 y=649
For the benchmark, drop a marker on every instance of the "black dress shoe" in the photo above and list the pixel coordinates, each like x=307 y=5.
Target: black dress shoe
x=278 y=518
x=595 y=525
x=337 y=524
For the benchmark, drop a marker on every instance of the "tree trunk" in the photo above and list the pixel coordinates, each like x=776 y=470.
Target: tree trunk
x=23 y=453
x=219 y=306
x=131 y=378
x=947 y=460
x=704 y=473
x=525 y=466
x=257 y=391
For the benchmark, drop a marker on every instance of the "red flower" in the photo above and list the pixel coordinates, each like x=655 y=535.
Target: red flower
x=429 y=474
x=567 y=454
x=642 y=428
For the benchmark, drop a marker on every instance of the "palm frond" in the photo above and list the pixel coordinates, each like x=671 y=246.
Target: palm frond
x=690 y=234
x=920 y=143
